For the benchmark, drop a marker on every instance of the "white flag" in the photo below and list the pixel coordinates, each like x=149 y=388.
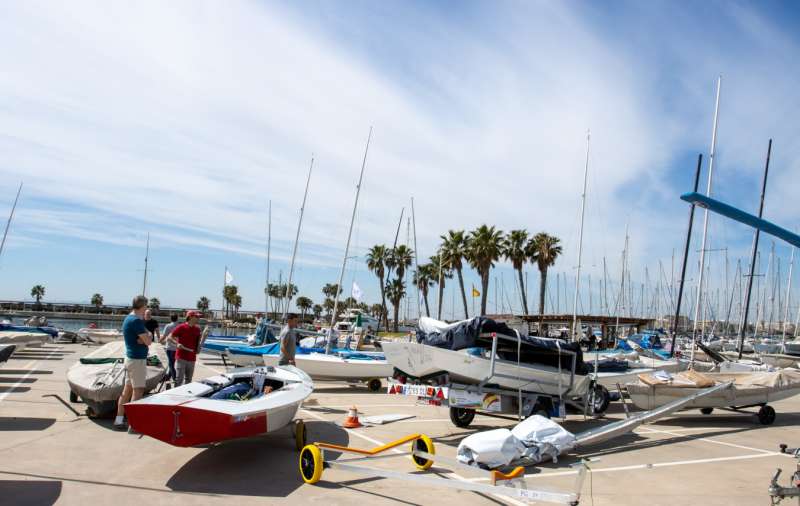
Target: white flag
x=357 y=293
x=228 y=276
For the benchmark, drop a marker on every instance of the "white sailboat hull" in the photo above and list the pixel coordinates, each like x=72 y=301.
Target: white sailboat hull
x=420 y=360
x=333 y=367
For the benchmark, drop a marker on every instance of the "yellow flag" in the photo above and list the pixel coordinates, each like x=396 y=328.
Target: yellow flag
x=475 y=293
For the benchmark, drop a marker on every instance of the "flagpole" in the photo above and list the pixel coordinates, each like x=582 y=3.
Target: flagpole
x=329 y=344
x=269 y=241
x=416 y=263
x=296 y=240
x=224 y=285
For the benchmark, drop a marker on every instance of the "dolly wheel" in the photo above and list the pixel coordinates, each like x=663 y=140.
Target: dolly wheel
x=311 y=464
x=423 y=444
x=766 y=415
x=374 y=385
x=462 y=417
x=706 y=411
x=73 y=397
x=300 y=435
x=90 y=412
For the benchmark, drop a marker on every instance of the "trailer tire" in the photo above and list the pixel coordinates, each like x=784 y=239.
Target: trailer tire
x=374 y=385
x=766 y=415
x=424 y=444
x=706 y=411
x=599 y=399
x=462 y=417
x=311 y=464
x=300 y=438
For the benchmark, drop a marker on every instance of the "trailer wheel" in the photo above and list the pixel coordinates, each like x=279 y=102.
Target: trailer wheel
x=374 y=385
x=599 y=399
x=706 y=411
x=423 y=444
x=311 y=464
x=73 y=397
x=90 y=412
x=766 y=415
x=300 y=439
x=462 y=417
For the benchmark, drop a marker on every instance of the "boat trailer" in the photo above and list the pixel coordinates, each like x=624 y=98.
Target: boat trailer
x=423 y=455
x=778 y=493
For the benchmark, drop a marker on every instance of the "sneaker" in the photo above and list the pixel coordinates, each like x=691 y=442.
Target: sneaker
x=120 y=427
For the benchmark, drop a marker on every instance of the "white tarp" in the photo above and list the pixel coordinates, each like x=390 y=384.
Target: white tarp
x=535 y=439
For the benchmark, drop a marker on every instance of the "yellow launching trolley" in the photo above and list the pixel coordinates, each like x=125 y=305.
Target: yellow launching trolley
x=423 y=455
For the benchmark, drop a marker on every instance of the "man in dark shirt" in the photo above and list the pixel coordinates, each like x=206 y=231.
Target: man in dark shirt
x=151 y=324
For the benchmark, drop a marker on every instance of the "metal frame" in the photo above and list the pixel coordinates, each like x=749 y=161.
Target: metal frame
x=511 y=484
x=778 y=493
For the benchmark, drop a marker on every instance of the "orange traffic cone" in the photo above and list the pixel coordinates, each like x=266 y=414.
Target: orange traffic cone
x=351 y=422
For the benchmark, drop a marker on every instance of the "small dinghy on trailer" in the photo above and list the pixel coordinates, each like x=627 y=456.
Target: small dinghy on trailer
x=749 y=389
x=242 y=403
x=99 y=336
x=23 y=339
x=342 y=365
x=98 y=378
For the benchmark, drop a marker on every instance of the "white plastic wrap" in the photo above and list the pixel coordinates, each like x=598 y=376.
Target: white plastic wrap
x=493 y=448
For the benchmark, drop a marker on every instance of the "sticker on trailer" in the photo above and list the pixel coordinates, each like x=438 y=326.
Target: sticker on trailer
x=440 y=393
x=474 y=400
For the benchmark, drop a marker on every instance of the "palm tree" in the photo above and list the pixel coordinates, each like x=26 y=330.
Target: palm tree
x=203 y=304
x=236 y=301
x=317 y=309
x=97 y=301
x=439 y=273
x=228 y=295
x=376 y=310
x=400 y=259
x=395 y=291
x=38 y=292
x=423 y=281
x=543 y=249
x=452 y=252
x=515 y=249
x=376 y=262
x=484 y=247
x=154 y=303
x=330 y=289
x=304 y=303
x=328 y=306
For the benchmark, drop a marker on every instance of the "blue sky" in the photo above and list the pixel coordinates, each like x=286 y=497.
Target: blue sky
x=183 y=119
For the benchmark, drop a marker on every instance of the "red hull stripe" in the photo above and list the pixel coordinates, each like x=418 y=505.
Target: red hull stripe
x=182 y=425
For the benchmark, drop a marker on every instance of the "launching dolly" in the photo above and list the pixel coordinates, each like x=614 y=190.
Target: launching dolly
x=423 y=455
x=776 y=492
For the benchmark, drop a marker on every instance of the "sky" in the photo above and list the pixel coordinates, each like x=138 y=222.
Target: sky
x=183 y=120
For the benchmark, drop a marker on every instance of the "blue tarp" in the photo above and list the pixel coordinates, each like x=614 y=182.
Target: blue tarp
x=647 y=341
x=24 y=328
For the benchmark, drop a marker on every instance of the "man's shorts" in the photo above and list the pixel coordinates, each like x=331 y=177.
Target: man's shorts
x=137 y=371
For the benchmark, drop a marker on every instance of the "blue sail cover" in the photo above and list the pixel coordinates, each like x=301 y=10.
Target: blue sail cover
x=742 y=217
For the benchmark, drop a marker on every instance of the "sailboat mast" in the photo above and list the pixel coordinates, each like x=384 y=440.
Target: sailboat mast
x=10 y=217
x=705 y=215
x=575 y=329
x=288 y=292
x=146 y=255
x=753 y=252
x=269 y=245
x=416 y=264
x=347 y=245
x=788 y=292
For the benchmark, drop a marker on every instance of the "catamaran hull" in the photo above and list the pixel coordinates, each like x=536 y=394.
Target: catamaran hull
x=333 y=367
x=186 y=416
x=420 y=360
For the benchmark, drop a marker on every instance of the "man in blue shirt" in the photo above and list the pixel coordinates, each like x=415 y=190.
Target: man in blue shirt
x=137 y=339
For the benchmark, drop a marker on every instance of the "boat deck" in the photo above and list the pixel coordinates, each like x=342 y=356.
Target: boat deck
x=49 y=455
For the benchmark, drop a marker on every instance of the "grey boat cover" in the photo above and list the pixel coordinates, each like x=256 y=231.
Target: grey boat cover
x=476 y=333
x=23 y=339
x=100 y=375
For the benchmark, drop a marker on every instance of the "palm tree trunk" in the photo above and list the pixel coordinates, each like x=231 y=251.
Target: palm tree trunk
x=542 y=286
x=441 y=293
x=463 y=293
x=425 y=298
x=383 y=304
x=522 y=291
x=396 y=314
x=484 y=292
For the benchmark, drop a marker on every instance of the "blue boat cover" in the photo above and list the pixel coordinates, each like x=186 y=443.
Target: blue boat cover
x=24 y=328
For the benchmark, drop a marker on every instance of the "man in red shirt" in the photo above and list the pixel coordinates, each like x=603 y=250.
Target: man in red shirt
x=188 y=336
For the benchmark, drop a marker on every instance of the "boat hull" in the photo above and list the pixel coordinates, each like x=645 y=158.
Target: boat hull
x=746 y=391
x=420 y=360
x=333 y=367
x=186 y=416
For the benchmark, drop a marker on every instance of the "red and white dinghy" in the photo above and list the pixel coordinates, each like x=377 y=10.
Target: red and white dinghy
x=229 y=406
